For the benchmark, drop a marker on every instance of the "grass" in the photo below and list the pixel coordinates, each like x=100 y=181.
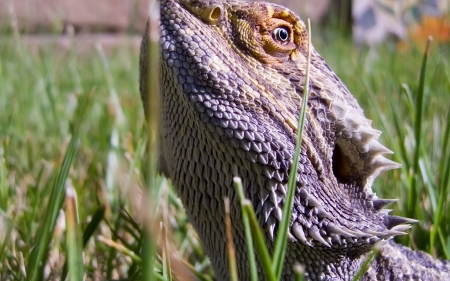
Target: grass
x=74 y=121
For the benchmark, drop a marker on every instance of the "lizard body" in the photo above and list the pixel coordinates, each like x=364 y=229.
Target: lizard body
x=232 y=75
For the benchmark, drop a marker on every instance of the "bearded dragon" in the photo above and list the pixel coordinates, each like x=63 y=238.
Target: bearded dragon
x=232 y=75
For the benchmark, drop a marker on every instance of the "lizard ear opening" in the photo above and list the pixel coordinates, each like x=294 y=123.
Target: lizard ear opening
x=341 y=167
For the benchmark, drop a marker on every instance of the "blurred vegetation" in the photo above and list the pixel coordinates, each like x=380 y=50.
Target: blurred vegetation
x=74 y=121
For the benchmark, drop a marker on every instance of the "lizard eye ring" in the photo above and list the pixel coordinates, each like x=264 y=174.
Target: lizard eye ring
x=281 y=34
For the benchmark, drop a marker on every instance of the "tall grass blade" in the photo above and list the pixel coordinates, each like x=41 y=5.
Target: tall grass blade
x=427 y=177
x=418 y=120
x=6 y=228
x=120 y=248
x=88 y=232
x=299 y=272
x=281 y=240
x=198 y=275
x=115 y=218
x=93 y=224
x=445 y=240
x=253 y=229
x=260 y=244
x=398 y=130
x=248 y=231
x=444 y=173
x=230 y=245
x=410 y=100
x=150 y=56
x=74 y=246
x=365 y=266
x=38 y=256
x=4 y=186
x=166 y=262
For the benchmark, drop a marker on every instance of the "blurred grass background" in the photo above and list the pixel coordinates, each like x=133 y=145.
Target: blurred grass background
x=72 y=120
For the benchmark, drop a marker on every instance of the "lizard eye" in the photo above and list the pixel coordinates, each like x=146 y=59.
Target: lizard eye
x=281 y=34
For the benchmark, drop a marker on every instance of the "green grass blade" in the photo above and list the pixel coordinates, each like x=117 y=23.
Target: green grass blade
x=230 y=244
x=418 y=121
x=365 y=266
x=281 y=240
x=150 y=57
x=445 y=240
x=148 y=258
x=399 y=131
x=88 y=232
x=410 y=100
x=260 y=244
x=253 y=229
x=444 y=173
x=38 y=255
x=39 y=252
x=5 y=233
x=166 y=262
x=248 y=233
x=73 y=239
x=4 y=186
x=121 y=248
x=93 y=224
x=299 y=272
x=427 y=176
x=198 y=275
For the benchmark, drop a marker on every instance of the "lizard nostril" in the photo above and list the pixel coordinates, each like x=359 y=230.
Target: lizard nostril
x=211 y=15
x=215 y=13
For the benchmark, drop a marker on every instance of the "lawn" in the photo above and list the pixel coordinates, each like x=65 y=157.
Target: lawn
x=72 y=145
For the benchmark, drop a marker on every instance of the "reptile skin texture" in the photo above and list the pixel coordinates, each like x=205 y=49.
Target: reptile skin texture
x=231 y=77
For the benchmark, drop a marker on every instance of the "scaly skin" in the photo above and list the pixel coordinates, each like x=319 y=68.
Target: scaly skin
x=232 y=76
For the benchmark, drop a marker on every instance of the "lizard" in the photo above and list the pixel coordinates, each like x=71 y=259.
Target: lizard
x=232 y=75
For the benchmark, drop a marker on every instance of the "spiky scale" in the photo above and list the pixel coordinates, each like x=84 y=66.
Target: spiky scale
x=315 y=234
x=391 y=221
x=298 y=232
x=378 y=204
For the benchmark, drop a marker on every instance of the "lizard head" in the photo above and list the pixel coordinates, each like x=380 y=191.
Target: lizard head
x=239 y=68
